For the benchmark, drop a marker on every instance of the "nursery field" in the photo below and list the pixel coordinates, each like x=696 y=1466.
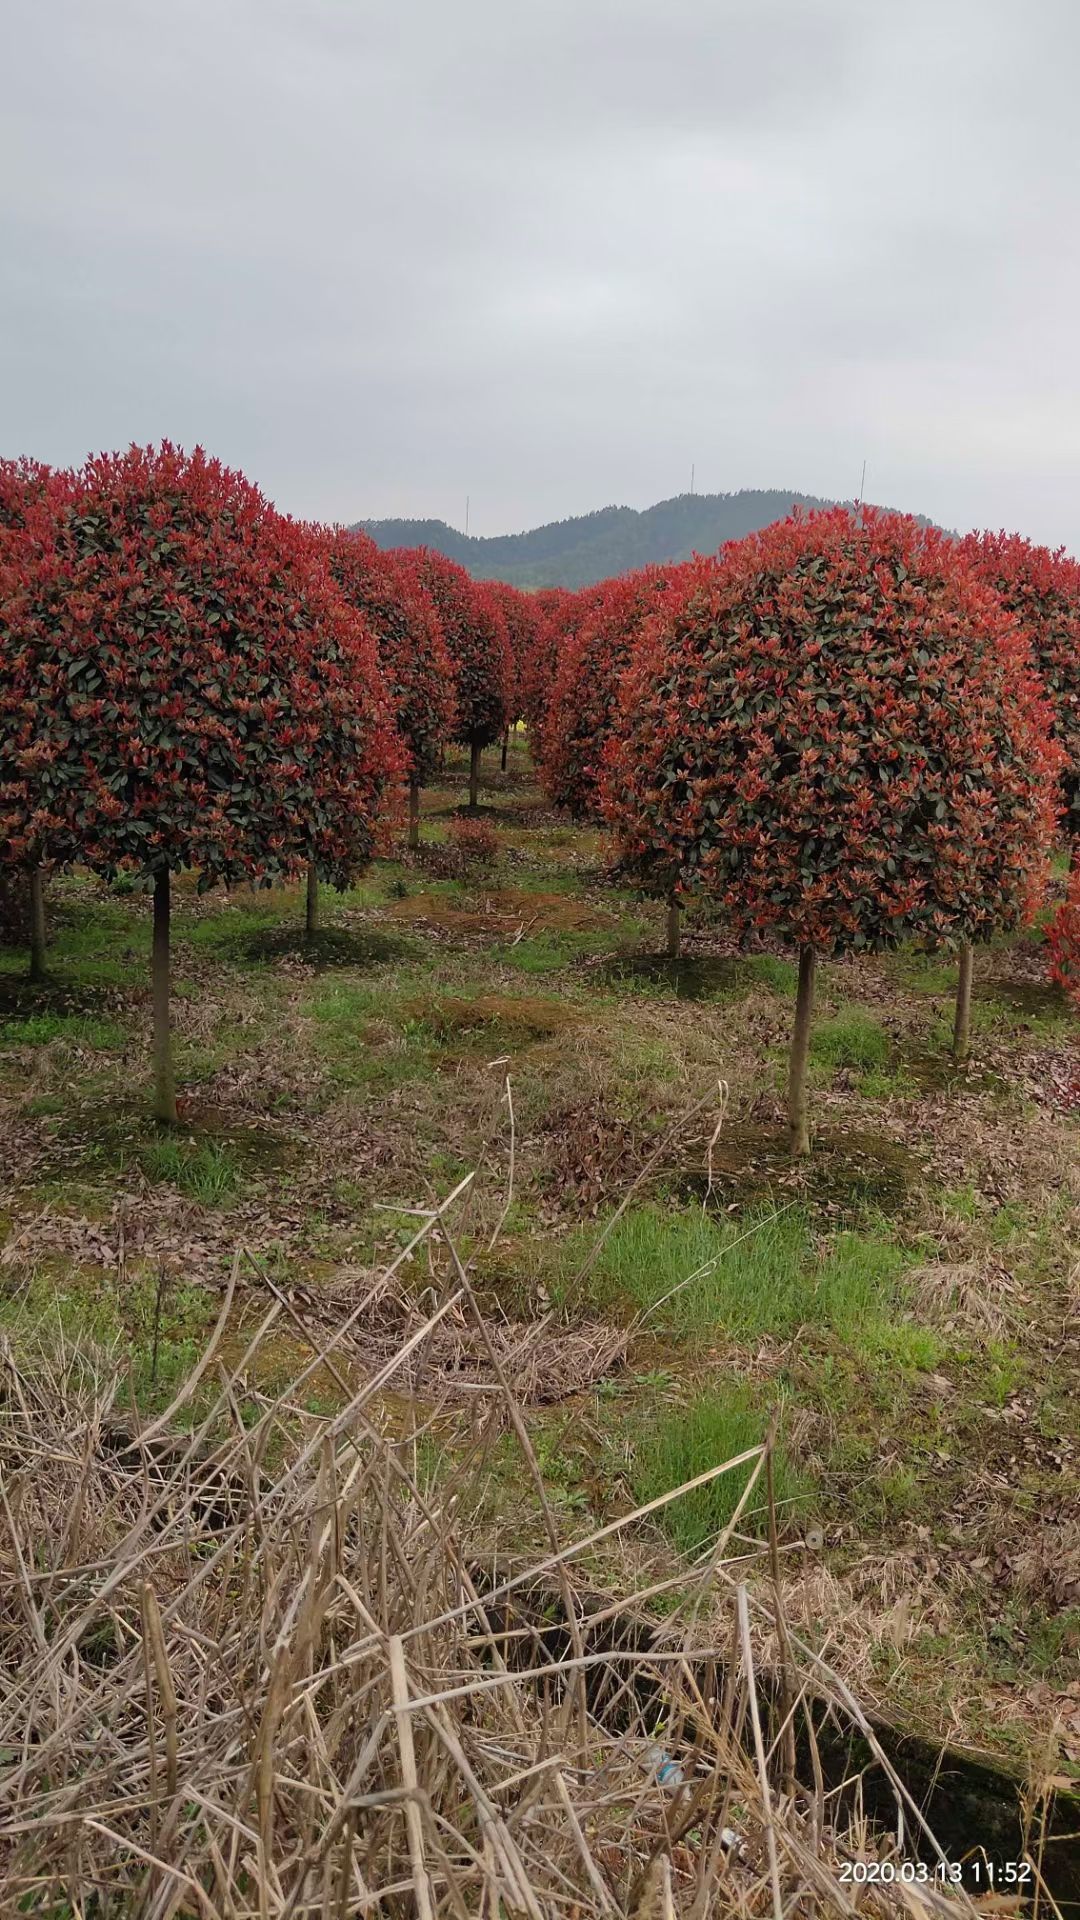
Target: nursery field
x=903 y=1304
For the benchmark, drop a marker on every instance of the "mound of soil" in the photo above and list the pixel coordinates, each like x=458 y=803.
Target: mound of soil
x=513 y=1017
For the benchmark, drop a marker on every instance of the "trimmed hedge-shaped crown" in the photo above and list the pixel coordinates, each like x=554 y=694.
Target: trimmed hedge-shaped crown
x=386 y=591
x=837 y=731
x=181 y=683
x=474 y=629
x=1042 y=590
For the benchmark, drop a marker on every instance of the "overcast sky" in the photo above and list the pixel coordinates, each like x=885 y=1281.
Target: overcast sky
x=382 y=254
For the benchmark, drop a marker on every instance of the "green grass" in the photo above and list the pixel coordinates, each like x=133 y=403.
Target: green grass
x=76 y=1029
x=234 y=931
x=541 y=953
x=680 y=1443
x=852 y=1038
x=341 y=1008
x=162 y=1331
x=885 y=1083
x=900 y=1346
x=927 y=973
x=551 y=949
x=90 y=936
x=352 y=1038
x=1004 y=1372
x=638 y=1064
x=781 y=975
x=205 y=1168
x=961 y=1203
x=758 y=1276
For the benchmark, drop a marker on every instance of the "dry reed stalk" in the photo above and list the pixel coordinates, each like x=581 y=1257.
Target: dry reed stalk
x=414 y=1824
x=501 y=1222
x=759 y=1752
x=166 y=1691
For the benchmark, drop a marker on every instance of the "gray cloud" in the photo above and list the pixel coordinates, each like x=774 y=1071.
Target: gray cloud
x=381 y=253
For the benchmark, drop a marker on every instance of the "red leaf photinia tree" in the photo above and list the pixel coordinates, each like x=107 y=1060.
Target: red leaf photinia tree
x=30 y=497
x=558 y=616
x=584 y=695
x=1041 y=589
x=183 y=686
x=385 y=589
x=837 y=732
x=474 y=629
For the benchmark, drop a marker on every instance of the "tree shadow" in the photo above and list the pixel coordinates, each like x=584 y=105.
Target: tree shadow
x=849 y=1174
x=1035 y=998
x=700 y=977
x=326 y=948
x=21 y=997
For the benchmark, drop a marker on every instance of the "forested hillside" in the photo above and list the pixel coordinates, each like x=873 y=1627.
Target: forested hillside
x=593 y=546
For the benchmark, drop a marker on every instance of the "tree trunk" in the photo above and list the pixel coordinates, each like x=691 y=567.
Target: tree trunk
x=474 y=776
x=164 y=1079
x=800 y=1048
x=414 y=813
x=962 y=1023
x=37 y=923
x=674 y=926
x=311 y=911
x=505 y=748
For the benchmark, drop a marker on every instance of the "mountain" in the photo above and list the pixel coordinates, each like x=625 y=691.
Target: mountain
x=574 y=553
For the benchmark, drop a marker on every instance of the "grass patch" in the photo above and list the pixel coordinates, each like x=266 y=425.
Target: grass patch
x=927 y=973
x=274 y=930
x=540 y=953
x=961 y=1203
x=204 y=1168
x=757 y=1276
x=366 y=1041
x=852 y=1038
x=781 y=975
x=162 y=1329
x=1036 y=1006
x=682 y=1442
x=76 y=1029
x=888 y=1083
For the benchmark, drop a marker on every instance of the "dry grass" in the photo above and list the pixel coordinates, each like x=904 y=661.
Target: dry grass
x=271 y=1667
x=542 y=1361
x=506 y=913
x=974 y=1295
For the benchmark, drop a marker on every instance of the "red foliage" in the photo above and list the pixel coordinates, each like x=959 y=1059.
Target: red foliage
x=557 y=613
x=1063 y=941
x=1042 y=590
x=837 y=731
x=583 y=700
x=181 y=683
x=28 y=490
x=520 y=613
x=385 y=590
x=474 y=629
